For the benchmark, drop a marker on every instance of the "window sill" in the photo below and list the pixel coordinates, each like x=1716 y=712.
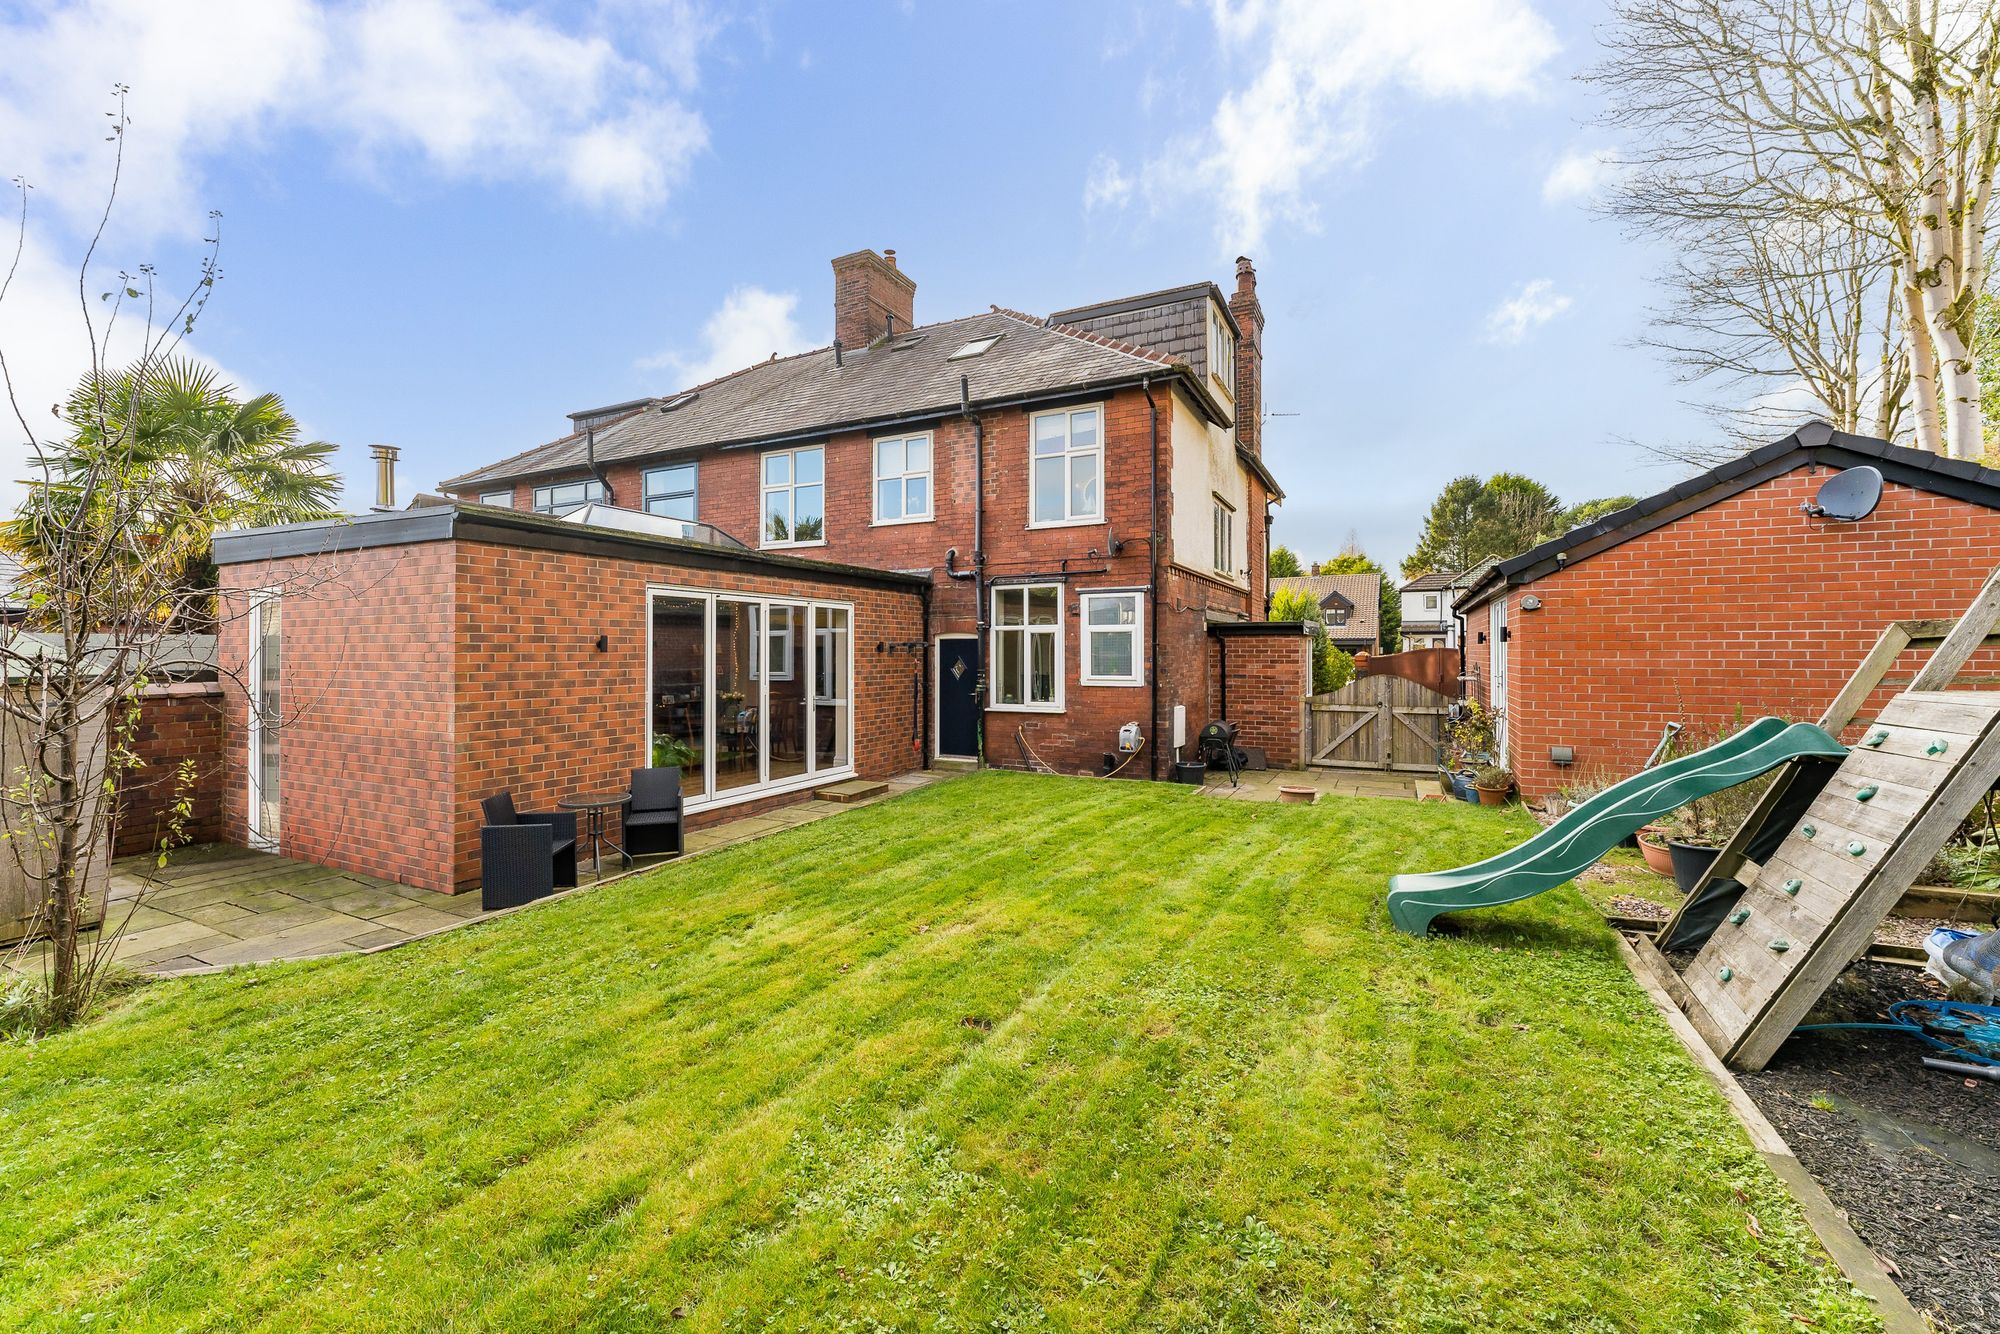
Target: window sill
x=1122 y=683
x=1024 y=708
x=902 y=523
x=789 y=546
x=1067 y=523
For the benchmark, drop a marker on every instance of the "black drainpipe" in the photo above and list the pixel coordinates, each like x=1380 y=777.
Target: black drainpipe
x=978 y=572
x=924 y=686
x=590 y=457
x=1153 y=577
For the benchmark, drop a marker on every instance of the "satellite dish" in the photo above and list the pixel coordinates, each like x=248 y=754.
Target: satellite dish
x=1847 y=496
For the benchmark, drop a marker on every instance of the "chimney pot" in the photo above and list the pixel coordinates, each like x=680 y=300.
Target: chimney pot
x=890 y=256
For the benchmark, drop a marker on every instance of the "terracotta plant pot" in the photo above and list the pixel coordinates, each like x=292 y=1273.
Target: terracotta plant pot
x=1491 y=796
x=1299 y=796
x=1657 y=857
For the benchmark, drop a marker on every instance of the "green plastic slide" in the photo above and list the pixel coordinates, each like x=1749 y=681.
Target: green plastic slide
x=1574 y=842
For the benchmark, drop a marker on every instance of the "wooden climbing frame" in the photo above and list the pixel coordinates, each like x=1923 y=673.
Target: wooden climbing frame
x=1814 y=904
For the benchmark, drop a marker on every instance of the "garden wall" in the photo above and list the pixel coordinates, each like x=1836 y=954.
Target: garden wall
x=177 y=723
x=1263 y=673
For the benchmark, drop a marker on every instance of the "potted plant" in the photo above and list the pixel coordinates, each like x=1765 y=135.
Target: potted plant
x=1697 y=831
x=1493 y=783
x=1470 y=743
x=1653 y=846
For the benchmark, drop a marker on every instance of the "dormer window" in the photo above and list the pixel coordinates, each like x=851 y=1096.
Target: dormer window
x=1221 y=350
x=1337 y=615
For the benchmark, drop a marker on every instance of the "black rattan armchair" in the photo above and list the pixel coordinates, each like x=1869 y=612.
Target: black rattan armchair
x=653 y=819
x=523 y=855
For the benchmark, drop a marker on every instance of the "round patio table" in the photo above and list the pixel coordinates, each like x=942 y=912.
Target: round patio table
x=593 y=807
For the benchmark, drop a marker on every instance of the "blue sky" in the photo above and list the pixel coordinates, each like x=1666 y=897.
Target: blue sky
x=446 y=223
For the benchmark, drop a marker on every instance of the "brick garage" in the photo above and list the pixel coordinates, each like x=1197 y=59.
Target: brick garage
x=1721 y=593
x=432 y=657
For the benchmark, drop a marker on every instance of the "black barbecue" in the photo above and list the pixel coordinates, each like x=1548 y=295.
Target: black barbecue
x=1216 y=744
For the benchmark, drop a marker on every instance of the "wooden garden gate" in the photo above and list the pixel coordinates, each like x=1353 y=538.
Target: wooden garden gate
x=1378 y=722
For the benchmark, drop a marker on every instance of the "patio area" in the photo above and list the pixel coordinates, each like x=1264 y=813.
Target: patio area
x=1263 y=785
x=218 y=905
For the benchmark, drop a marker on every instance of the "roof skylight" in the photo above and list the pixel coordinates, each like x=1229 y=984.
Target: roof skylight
x=679 y=401
x=976 y=348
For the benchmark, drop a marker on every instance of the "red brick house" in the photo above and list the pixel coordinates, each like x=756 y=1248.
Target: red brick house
x=1084 y=494
x=1721 y=593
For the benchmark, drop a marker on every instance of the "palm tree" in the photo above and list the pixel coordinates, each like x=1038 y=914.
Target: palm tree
x=202 y=460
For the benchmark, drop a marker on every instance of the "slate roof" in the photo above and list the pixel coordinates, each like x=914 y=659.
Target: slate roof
x=1815 y=442
x=1174 y=321
x=908 y=376
x=1363 y=593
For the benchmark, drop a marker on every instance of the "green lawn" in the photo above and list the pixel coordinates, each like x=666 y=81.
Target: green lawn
x=1007 y=1053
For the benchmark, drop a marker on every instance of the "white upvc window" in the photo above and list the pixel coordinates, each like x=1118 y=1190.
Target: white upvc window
x=503 y=499
x=1066 y=485
x=795 y=497
x=563 y=497
x=1224 y=557
x=903 y=479
x=1430 y=602
x=671 y=491
x=1027 y=648
x=1221 y=350
x=777 y=644
x=1114 y=628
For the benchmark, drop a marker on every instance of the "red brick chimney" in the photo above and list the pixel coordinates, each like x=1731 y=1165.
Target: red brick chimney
x=871 y=297
x=1249 y=358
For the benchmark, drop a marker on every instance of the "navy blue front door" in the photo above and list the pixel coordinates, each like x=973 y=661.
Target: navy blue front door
x=958 y=696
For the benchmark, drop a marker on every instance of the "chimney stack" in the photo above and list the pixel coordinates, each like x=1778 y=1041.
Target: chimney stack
x=871 y=298
x=385 y=475
x=1249 y=315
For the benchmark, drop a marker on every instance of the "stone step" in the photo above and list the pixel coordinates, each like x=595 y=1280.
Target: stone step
x=854 y=789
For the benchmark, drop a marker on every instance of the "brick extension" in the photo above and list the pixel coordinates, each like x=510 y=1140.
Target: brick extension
x=420 y=678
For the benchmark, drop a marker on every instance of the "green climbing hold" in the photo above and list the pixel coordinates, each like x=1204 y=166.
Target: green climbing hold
x=1876 y=737
x=1739 y=917
x=1808 y=830
x=1725 y=972
x=1793 y=887
x=1780 y=946
x=1866 y=793
x=1856 y=849
x=1938 y=746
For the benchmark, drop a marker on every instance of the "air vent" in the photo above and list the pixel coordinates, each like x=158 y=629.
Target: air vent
x=904 y=345
x=978 y=347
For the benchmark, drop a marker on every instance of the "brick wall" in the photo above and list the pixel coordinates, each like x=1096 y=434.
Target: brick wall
x=1745 y=603
x=419 y=679
x=365 y=743
x=177 y=723
x=1261 y=683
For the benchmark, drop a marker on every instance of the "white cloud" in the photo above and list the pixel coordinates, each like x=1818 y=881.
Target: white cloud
x=1580 y=175
x=1534 y=305
x=1317 y=69
x=749 y=325
x=1108 y=185
x=467 y=88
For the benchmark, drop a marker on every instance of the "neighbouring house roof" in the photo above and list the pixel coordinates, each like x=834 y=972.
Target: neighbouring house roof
x=173 y=657
x=1361 y=592
x=903 y=377
x=1473 y=574
x=460 y=519
x=1813 y=443
x=1425 y=583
